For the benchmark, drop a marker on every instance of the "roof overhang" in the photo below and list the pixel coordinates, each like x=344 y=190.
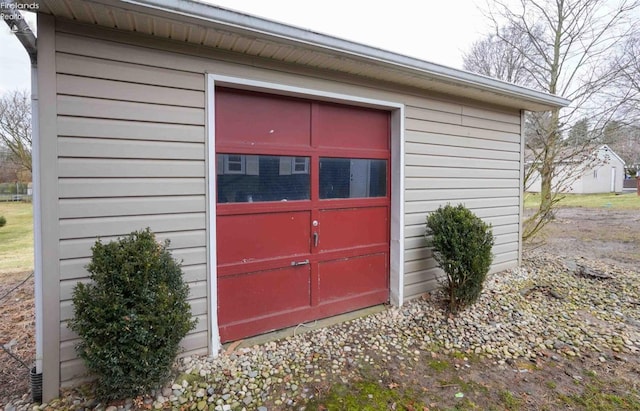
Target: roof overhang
x=212 y=26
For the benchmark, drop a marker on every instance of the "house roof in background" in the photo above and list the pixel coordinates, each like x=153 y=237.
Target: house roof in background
x=570 y=156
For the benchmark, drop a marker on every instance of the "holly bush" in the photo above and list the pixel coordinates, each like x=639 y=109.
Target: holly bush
x=132 y=316
x=461 y=245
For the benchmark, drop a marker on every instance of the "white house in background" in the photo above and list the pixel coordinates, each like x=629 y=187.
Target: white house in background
x=601 y=172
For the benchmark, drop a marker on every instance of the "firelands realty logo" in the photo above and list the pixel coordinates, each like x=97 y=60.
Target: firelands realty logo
x=9 y=12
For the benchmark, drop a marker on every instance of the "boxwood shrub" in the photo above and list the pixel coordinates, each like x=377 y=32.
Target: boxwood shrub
x=132 y=316
x=461 y=245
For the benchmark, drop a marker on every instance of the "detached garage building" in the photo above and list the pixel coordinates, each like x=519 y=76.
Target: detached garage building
x=291 y=170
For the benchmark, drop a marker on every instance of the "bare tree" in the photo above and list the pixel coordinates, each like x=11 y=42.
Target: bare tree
x=626 y=87
x=565 y=47
x=9 y=171
x=494 y=57
x=15 y=126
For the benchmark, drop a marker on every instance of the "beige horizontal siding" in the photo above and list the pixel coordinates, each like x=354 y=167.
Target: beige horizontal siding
x=132 y=187
x=131 y=155
x=105 y=148
x=461 y=131
x=131 y=73
x=415 y=137
x=124 y=110
x=460 y=154
x=131 y=92
x=130 y=206
x=463 y=153
x=472 y=203
x=455 y=118
x=451 y=171
x=107 y=167
x=128 y=130
x=460 y=183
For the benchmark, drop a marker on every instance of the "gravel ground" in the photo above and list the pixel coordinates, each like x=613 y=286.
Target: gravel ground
x=543 y=309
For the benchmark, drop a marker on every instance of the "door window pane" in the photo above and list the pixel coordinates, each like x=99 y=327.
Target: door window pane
x=250 y=178
x=352 y=178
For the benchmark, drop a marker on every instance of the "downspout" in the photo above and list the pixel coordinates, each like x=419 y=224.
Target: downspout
x=11 y=15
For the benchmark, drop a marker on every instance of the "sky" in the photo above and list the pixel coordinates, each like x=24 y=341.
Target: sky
x=436 y=31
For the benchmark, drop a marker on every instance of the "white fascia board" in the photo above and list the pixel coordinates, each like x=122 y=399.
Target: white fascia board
x=214 y=14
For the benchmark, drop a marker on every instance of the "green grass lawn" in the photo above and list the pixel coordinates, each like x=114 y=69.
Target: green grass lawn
x=16 y=238
x=627 y=201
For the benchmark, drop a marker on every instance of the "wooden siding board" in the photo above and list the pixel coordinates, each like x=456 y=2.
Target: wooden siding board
x=106 y=148
x=462 y=131
x=458 y=183
x=452 y=194
x=420 y=206
x=125 y=110
x=131 y=92
x=123 y=71
x=442 y=161
x=129 y=206
x=124 y=168
x=90 y=128
x=512 y=117
x=462 y=154
x=419 y=218
x=132 y=187
x=490 y=124
x=419 y=113
x=417 y=137
x=457 y=169
x=119 y=226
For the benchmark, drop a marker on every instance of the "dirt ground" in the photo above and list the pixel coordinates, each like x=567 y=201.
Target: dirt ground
x=448 y=381
x=17 y=328
x=603 y=234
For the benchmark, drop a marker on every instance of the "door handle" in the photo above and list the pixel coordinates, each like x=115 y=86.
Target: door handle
x=316 y=237
x=297 y=263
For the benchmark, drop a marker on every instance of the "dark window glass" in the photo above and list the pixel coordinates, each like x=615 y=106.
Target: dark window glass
x=352 y=178
x=248 y=178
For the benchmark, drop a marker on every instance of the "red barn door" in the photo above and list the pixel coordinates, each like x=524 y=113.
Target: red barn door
x=303 y=200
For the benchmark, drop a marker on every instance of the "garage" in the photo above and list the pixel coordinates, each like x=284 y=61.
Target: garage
x=291 y=171
x=303 y=202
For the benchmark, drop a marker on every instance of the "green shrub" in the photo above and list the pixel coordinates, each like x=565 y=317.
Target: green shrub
x=132 y=316
x=462 y=248
x=3 y=221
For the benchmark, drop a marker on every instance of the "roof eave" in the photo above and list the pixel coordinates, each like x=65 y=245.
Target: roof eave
x=393 y=67
x=533 y=100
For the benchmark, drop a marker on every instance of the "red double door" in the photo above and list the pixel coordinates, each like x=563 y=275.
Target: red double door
x=303 y=201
